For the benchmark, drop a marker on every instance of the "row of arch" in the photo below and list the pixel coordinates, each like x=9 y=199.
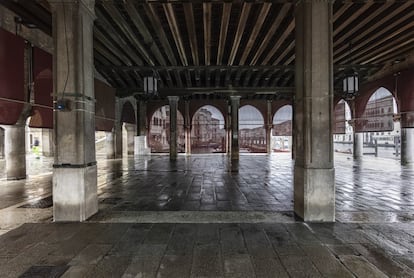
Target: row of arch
x=209 y=120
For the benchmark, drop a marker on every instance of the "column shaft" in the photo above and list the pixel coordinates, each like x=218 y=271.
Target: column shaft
x=314 y=183
x=47 y=142
x=173 y=100
x=358 y=145
x=407 y=146
x=235 y=104
x=15 y=152
x=131 y=132
x=187 y=125
x=75 y=173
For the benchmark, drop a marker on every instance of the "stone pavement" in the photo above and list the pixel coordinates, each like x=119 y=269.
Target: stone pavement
x=204 y=217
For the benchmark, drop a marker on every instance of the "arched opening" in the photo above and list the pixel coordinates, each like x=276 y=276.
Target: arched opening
x=343 y=131
x=282 y=130
x=207 y=131
x=159 y=131
x=252 y=133
x=381 y=133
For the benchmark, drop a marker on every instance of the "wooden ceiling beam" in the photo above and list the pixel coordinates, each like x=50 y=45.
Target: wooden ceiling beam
x=177 y=77
x=130 y=34
x=189 y=19
x=284 y=53
x=395 y=42
x=101 y=39
x=143 y=30
x=159 y=30
x=399 y=52
x=361 y=24
x=240 y=31
x=188 y=78
x=207 y=32
x=223 y=31
x=197 y=77
x=384 y=26
x=264 y=11
x=105 y=53
x=172 y=22
x=352 y=17
x=341 y=11
x=123 y=45
x=279 y=42
x=247 y=77
x=276 y=24
x=257 y=78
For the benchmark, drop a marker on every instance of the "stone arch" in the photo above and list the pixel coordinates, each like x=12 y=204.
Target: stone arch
x=282 y=123
x=158 y=133
x=219 y=105
x=378 y=112
x=208 y=130
x=260 y=105
x=252 y=132
x=128 y=113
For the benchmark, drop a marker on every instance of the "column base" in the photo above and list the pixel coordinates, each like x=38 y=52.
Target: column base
x=140 y=145
x=75 y=195
x=314 y=194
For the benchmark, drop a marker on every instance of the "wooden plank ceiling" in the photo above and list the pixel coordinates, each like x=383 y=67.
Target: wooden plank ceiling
x=220 y=47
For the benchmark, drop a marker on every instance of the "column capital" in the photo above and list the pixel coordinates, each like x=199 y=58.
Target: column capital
x=173 y=98
x=234 y=98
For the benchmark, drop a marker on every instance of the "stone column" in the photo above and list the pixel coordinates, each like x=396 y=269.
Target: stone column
x=314 y=182
x=235 y=105
x=74 y=170
x=140 y=141
x=269 y=126
x=187 y=126
x=358 y=145
x=173 y=101
x=131 y=132
x=228 y=129
x=407 y=138
x=15 y=152
x=47 y=142
x=110 y=145
x=1 y=143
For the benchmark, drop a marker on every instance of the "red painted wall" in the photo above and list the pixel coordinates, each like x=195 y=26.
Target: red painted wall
x=11 y=76
x=43 y=87
x=104 y=106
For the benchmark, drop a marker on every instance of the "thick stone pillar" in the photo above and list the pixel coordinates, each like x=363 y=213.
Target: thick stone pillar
x=235 y=105
x=407 y=146
x=75 y=172
x=173 y=101
x=47 y=142
x=314 y=182
x=15 y=152
x=358 y=145
x=131 y=132
x=187 y=126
